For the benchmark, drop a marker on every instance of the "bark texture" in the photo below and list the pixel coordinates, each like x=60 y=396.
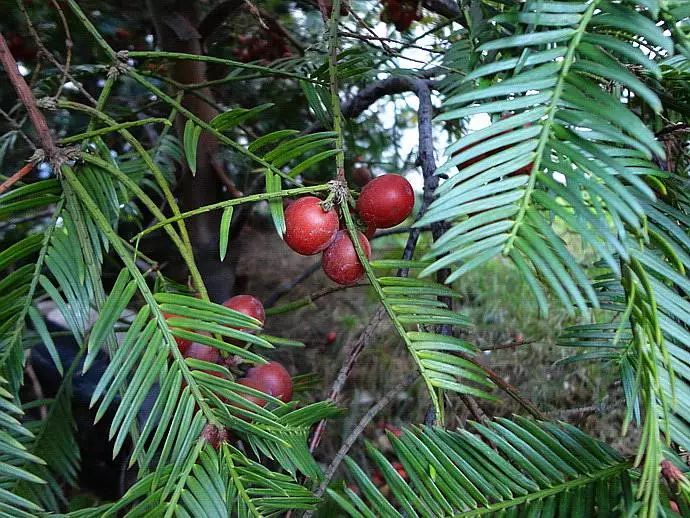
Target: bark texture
x=176 y=23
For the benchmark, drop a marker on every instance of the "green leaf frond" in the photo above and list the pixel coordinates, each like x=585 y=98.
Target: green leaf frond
x=221 y=482
x=502 y=468
x=568 y=148
x=648 y=341
x=17 y=463
x=54 y=442
x=419 y=311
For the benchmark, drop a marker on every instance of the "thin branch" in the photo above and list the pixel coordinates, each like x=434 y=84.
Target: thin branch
x=447 y=8
x=68 y=46
x=275 y=25
x=217 y=16
x=510 y=390
x=27 y=97
x=353 y=353
x=309 y=271
x=382 y=39
x=375 y=91
x=18 y=128
x=507 y=345
x=361 y=22
x=49 y=55
x=16 y=177
x=474 y=408
x=309 y=299
x=357 y=431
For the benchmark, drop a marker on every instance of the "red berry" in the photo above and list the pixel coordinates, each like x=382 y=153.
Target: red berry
x=393 y=429
x=122 y=34
x=273 y=379
x=361 y=175
x=331 y=336
x=308 y=228
x=340 y=262
x=202 y=352
x=247 y=305
x=370 y=231
x=386 y=201
x=182 y=343
x=377 y=478
x=255 y=384
x=400 y=469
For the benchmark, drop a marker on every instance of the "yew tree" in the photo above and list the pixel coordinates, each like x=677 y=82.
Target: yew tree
x=138 y=140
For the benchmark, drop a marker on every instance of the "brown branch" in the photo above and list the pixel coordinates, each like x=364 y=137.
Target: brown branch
x=309 y=299
x=507 y=345
x=473 y=407
x=27 y=97
x=447 y=8
x=287 y=288
x=383 y=40
x=18 y=128
x=353 y=353
x=16 y=177
x=510 y=390
x=275 y=25
x=216 y=17
x=357 y=431
x=68 y=46
x=219 y=171
x=672 y=128
x=49 y=55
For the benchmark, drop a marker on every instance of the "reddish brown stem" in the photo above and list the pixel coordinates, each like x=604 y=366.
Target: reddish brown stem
x=28 y=99
x=16 y=177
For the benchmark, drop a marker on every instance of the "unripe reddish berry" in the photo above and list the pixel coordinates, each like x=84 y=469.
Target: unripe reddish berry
x=182 y=343
x=214 y=435
x=202 y=352
x=340 y=262
x=273 y=379
x=247 y=305
x=361 y=175
x=386 y=201
x=308 y=228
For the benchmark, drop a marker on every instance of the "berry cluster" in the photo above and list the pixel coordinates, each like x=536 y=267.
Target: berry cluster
x=265 y=47
x=401 y=13
x=270 y=378
x=384 y=202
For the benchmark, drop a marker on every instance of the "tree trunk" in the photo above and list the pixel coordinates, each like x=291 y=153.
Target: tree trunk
x=176 y=23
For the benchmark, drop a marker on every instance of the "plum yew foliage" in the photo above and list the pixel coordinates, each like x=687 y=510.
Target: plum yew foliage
x=585 y=99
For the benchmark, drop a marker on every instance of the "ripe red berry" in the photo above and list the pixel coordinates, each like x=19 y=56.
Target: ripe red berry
x=247 y=305
x=182 y=343
x=255 y=384
x=370 y=231
x=400 y=469
x=340 y=262
x=273 y=379
x=202 y=352
x=386 y=201
x=331 y=336
x=122 y=34
x=308 y=228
